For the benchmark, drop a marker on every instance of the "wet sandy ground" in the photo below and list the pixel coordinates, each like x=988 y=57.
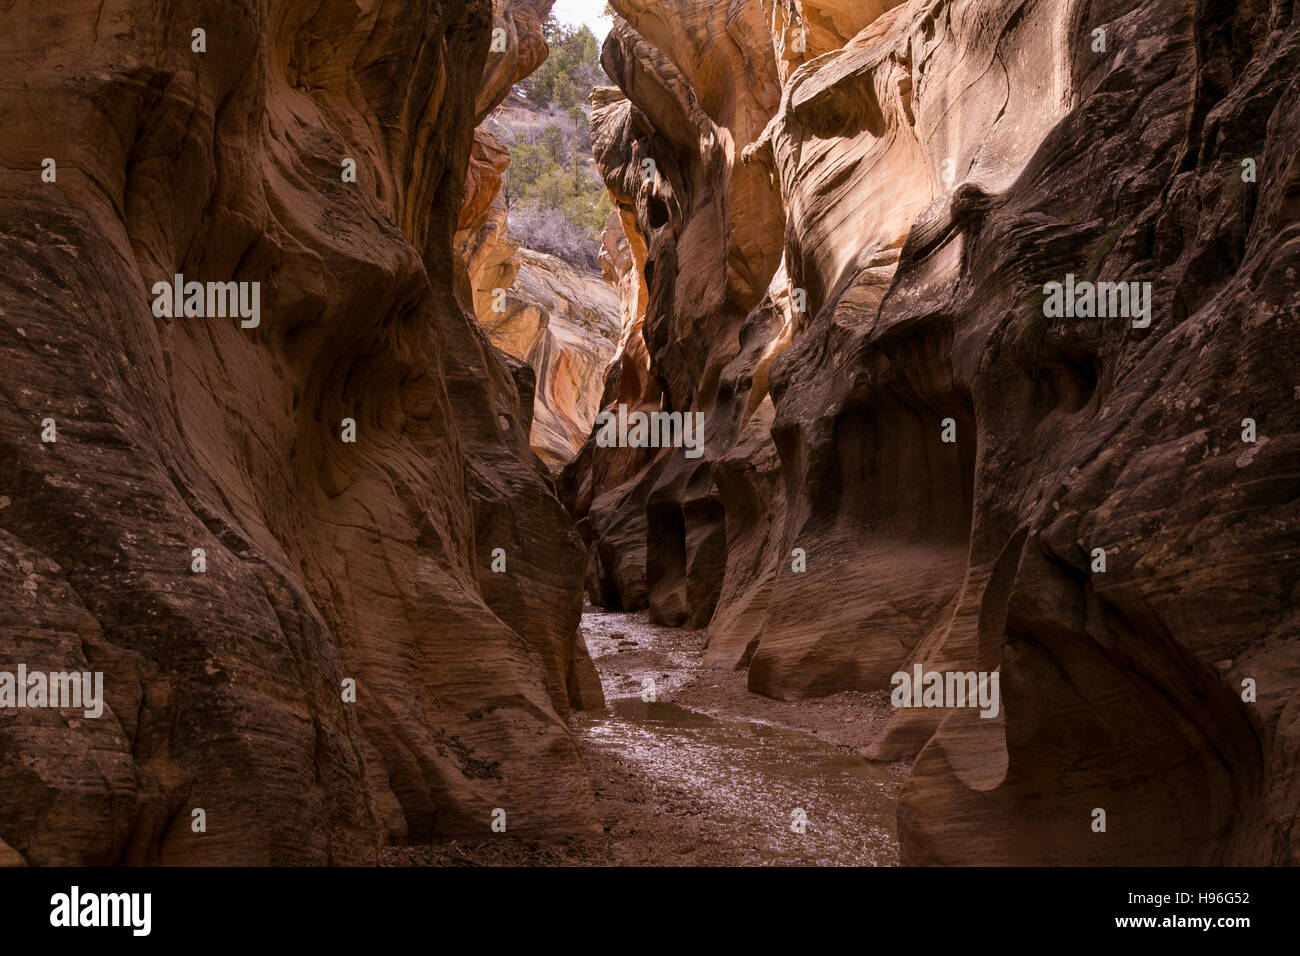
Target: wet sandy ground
x=707 y=773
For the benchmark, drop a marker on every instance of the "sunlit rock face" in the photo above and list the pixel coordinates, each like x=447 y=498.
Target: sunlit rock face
x=564 y=324
x=932 y=167
x=483 y=240
x=325 y=560
x=561 y=323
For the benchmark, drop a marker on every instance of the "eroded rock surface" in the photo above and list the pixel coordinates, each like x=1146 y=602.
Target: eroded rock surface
x=564 y=324
x=325 y=560
x=926 y=169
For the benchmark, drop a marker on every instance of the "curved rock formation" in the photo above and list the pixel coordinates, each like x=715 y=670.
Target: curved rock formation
x=563 y=323
x=929 y=168
x=483 y=240
x=323 y=560
x=671 y=157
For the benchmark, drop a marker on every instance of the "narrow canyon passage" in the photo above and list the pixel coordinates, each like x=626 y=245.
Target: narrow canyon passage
x=449 y=436
x=708 y=773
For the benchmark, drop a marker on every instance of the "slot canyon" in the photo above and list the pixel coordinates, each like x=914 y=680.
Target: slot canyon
x=363 y=579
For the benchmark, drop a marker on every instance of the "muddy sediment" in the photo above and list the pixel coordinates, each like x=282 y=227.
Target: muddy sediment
x=694 y=769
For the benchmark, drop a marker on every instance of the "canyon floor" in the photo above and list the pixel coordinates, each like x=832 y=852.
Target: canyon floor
x=708 y=773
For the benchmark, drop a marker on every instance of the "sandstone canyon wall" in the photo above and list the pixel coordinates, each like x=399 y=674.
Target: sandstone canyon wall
x=561 y=323
x=324 y=559
x=564 y=324
x=841 y=219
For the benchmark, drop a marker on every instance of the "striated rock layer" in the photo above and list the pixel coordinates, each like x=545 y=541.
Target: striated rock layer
x=564 y=324
x=844 y=237
x=326 y=560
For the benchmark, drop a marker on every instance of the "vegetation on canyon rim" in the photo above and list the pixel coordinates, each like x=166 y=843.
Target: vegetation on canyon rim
x=555 y=201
